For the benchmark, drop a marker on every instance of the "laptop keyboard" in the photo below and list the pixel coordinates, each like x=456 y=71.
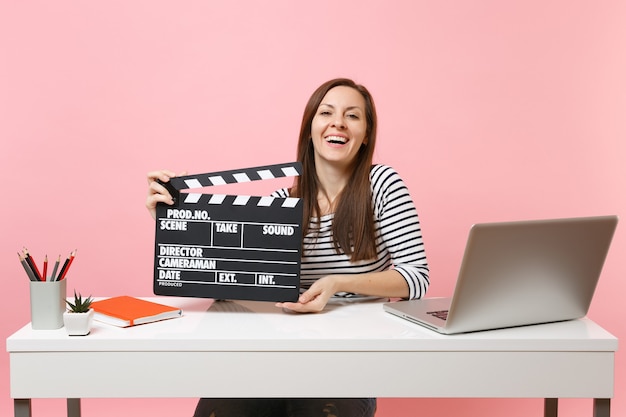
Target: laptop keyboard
x=441 y=314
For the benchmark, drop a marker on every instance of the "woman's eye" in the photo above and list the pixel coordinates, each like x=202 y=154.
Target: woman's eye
x=353 y=116
x=325 y=113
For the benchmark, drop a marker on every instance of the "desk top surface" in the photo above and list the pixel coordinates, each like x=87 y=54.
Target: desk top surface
x=260 y=326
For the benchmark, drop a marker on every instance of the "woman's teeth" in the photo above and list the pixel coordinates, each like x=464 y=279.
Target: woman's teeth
x=336 y=139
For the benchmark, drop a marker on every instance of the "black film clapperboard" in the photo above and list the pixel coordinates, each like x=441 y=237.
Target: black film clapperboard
x=229 y=246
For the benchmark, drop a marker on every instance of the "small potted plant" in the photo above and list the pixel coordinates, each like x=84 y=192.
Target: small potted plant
x=79 y=316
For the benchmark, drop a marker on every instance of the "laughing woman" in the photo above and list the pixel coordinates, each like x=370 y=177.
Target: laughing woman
x=362 y=235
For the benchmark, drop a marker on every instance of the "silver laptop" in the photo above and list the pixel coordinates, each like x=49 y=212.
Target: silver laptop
x=519 y=273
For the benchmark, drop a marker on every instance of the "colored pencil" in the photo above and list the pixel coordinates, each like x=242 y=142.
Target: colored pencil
x=71 y=259
x=45 y=269
x=32 y=264
x=63 y=268
x=29 y=272
x=54 y=270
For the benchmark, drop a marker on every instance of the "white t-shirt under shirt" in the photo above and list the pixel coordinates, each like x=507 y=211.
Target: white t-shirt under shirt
x=398 y=238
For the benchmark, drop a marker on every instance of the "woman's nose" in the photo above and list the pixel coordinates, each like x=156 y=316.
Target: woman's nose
x=338 y=122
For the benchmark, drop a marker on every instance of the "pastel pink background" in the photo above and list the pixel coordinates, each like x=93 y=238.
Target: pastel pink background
x=490 y=110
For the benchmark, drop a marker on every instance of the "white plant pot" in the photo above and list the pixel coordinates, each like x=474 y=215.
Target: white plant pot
x=78 y=324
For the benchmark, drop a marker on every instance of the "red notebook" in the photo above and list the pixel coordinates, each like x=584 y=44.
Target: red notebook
x=125 y=311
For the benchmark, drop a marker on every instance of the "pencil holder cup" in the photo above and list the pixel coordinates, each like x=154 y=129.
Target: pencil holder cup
x=47 y=304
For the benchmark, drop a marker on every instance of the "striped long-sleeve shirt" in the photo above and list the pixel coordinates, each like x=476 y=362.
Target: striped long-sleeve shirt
x=398 y=238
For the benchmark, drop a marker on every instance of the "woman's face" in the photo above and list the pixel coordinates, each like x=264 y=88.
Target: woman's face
x=339 y=126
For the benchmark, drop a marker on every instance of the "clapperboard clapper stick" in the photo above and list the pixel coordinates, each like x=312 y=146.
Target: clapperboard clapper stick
x=229 y=247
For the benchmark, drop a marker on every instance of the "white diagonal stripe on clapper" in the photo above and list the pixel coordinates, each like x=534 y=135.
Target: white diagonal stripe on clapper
x=265 y=174
x=192 y=197
x=241 y=200
x=193 y=183
x=241 y=177
x=217 y=180
x=265 y=201
x=290 y=202
x=290 y=172
x=217 y=199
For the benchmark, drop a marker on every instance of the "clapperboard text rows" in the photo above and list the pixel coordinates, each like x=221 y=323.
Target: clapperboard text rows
x=177 y=220
x=173 y=260
x=260 y=283
x=196 y=253
x=172 y=278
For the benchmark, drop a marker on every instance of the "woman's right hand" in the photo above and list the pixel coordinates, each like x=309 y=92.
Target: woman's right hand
x=158 y=193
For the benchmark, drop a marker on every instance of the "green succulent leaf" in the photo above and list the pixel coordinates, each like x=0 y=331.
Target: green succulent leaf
x=79 y=305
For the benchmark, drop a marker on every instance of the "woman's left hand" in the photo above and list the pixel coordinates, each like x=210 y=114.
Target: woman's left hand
x=315 y=298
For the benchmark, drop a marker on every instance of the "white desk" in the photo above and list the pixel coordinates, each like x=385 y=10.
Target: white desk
x=251 y=352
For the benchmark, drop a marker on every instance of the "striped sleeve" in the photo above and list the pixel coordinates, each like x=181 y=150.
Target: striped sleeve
x=398 y=228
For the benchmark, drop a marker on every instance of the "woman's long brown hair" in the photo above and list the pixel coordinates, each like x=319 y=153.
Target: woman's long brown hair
x=353 y=225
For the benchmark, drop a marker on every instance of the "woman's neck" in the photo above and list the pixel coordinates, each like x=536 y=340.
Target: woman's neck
x=332 y=181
